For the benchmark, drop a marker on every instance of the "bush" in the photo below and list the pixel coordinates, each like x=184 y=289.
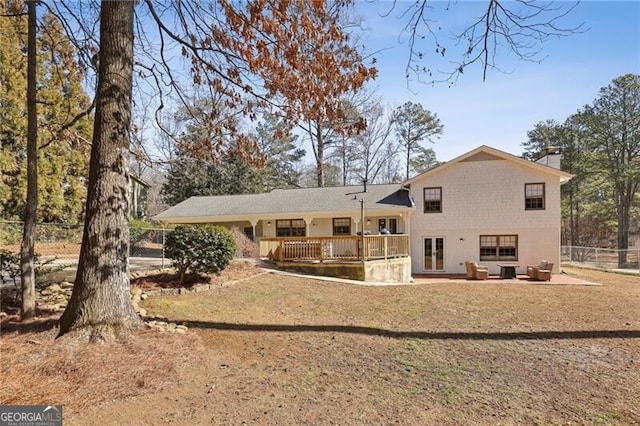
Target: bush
x=199 y=249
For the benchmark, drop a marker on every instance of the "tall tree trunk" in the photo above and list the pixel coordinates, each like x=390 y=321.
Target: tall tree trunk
x=100 y=305
x=623 y=233
x=344 y=161
x=320 y=156
x=408 y=158
x=572 y=241
x=27 y=270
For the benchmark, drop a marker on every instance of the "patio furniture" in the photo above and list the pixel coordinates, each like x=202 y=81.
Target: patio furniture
x=541 y=272
x=508 y=271
x=476 y=272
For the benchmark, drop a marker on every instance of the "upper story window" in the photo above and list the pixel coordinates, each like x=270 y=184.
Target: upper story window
x=534 y=196
x=341 y=226
x=290 y=228
x=433 y=200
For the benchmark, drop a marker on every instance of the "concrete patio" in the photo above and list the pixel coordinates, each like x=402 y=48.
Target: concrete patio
x=556 y=279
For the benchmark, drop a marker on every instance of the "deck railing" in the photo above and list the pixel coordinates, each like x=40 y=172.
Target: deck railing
x=345 y=248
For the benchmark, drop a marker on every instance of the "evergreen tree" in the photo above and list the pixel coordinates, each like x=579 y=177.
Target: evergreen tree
x=413 y=124
x=424 y=160
x=283 y=158
x=613 y=126
x=63 y=128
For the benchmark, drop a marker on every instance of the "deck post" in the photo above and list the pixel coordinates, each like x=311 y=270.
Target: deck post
x=385 y=247
x=364 y=256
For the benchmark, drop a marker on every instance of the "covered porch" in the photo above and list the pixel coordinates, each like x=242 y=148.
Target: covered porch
x=368 y=258
x=335 y=248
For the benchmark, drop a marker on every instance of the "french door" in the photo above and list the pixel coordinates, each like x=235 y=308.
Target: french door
x=434 y=254
x=391 y=224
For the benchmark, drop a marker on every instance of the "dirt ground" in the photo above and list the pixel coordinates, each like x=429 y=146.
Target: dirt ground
x=285 y=350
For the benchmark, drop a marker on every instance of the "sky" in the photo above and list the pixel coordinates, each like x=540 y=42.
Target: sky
x=499 y=111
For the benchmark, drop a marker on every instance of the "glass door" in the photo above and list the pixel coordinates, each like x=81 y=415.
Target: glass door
x=390 y=224
x=434 y=254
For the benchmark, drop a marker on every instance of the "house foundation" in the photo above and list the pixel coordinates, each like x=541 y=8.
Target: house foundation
x=392 y=271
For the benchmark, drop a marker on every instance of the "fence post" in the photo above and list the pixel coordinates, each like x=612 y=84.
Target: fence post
x=597 y=264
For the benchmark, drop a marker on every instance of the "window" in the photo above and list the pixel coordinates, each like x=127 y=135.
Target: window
x=290 y=228
x=342 y=226
x=534 y=196
x=433 y=200
x=498 y=247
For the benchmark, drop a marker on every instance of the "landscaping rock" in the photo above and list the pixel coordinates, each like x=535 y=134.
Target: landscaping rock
x=54 y=288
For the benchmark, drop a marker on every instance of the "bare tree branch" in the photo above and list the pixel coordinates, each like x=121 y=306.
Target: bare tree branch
x=518 y=27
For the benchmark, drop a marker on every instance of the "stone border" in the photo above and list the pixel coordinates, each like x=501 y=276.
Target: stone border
x=55 y=296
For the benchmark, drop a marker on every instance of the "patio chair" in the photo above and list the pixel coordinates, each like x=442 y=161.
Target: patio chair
x=476 y=272
x=541 y=272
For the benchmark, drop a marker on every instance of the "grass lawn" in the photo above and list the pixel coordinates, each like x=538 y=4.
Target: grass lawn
x=277 y=349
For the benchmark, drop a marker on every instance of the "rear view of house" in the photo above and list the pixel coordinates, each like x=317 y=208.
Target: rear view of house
x=486 y=206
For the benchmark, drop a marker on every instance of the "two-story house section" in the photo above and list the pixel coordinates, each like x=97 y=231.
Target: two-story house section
x=488 y=206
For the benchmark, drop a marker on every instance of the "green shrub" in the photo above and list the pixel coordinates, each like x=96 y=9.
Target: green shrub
x=10 y=233
x=199 y=249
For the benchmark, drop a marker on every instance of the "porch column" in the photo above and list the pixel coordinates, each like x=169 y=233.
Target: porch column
x=307 y=224
x=356 y=222
x=254 y=222
x=407 y=229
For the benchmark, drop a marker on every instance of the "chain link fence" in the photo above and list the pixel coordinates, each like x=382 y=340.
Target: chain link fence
x=613 y=259
x=59 y=244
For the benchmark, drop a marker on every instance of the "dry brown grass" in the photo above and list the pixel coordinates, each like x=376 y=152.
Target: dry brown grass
x=38 y=369
x=288 y=350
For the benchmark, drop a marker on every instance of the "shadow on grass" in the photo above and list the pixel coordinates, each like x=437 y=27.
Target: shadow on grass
x=425 y=335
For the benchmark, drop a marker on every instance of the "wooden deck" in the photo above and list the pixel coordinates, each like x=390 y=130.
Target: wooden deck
x=330 y=248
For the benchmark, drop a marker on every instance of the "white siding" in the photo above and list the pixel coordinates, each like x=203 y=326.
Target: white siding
x=487 y=198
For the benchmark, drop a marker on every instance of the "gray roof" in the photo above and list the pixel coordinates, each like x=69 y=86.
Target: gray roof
x=328 y=200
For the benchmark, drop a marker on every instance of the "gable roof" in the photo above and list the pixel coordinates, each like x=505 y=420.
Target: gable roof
x=486 y=153
x=325 y=201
